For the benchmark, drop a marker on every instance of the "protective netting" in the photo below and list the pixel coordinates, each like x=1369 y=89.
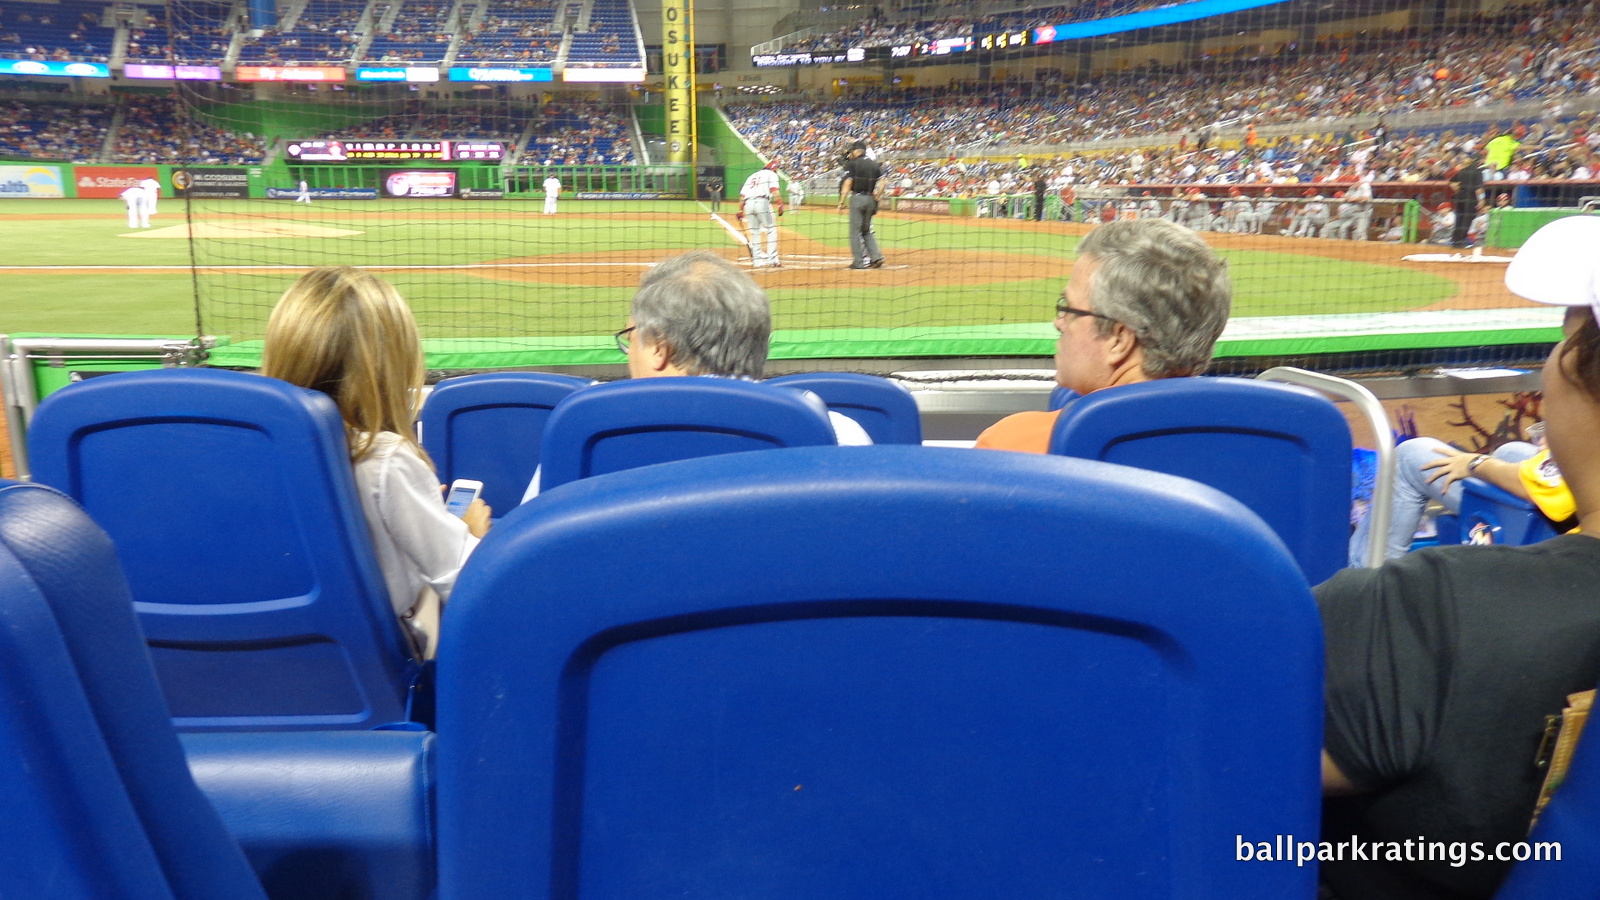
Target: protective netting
x=1314 y=144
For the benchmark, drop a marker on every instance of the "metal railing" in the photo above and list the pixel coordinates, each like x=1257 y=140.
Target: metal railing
x=1367 y=403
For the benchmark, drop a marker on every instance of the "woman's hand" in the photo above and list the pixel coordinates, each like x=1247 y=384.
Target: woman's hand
x=477 y=518
x=1451 y=466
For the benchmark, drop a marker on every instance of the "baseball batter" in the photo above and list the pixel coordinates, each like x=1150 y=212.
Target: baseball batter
x=760 y=205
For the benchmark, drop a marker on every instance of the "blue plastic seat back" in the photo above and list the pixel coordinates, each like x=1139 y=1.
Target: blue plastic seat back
x=1061 y=396
x=883 y=407
x=490 y=428
x=877 y=672
x=96 y=793
x=625 y=424
x=1572 y=823
x=1283 y=451
x=1490 y=515
x=232 y=503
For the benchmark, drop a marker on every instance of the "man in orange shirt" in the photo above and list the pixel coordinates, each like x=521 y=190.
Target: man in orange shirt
x=1146 y=299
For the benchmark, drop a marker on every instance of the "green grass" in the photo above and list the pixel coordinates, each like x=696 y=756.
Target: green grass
x=461 y=303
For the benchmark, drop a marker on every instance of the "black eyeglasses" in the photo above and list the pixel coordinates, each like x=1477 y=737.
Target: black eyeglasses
x=1063 y=309
x=622 y=338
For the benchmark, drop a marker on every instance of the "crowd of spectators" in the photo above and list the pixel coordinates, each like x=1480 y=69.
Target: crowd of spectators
x=67 y=32
x=1547 y=54
x=879 y=30
x=418 y=34
x=154 y=130
x=515 y=31
x=580 y=133
x=53 y=131
x=201 y=30
x=418 y=121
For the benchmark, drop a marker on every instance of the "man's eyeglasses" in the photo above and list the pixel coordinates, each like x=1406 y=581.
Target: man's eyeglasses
x=622 y=337
x=1063 y=309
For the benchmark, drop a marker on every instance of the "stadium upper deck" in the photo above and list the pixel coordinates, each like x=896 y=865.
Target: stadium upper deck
x=591 y=33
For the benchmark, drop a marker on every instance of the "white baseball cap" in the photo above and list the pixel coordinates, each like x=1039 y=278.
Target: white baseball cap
x=1560 y=264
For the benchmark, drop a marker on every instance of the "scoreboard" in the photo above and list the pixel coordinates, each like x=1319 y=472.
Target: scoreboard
x=360 y=150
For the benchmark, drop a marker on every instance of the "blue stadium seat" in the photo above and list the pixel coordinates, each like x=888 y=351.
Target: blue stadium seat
x=1283 y=451
x=233 y=506
x=878 y=672
x=1061 y=396
x=490 y=427
x=1490 y=515
x=610 y=427
x=884 y=408
x=96 y=796
x=100 y=798
x=1572 y=820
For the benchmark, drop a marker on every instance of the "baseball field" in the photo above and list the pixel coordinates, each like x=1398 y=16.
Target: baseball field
x=483 y=270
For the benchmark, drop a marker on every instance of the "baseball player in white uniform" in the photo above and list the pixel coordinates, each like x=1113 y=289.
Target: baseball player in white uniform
x=1361 y=196
x=152 y=193
x=552 y=190
x=760 y=205
x=797 y=194
x=305 y=193
x=138 y=209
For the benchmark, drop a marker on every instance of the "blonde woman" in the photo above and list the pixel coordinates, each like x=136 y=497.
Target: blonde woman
x=350 y=335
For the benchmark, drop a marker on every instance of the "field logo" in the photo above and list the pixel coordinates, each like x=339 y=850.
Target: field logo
x=31 y=183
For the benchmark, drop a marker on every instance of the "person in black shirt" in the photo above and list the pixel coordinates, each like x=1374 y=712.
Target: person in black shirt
x=863 y=182
x=1038 y=195
x=1468 y=182
x=1443 y=665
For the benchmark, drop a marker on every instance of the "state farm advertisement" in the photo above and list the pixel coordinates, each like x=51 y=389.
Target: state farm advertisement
x=111 y=181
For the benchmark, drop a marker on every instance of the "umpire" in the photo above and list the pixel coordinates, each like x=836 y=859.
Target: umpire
x=863 y=182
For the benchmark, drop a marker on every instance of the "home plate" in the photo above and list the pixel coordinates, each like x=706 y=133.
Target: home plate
x=247 y=230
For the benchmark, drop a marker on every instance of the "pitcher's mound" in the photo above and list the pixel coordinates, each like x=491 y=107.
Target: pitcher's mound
x=254 y=230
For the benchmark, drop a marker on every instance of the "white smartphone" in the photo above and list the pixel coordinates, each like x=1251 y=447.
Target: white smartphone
x=462 y=492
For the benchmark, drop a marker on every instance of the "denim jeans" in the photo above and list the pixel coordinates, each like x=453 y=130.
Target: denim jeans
x=1412 y=491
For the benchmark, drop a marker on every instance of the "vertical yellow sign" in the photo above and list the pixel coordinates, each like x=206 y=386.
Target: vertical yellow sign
x=677 y=63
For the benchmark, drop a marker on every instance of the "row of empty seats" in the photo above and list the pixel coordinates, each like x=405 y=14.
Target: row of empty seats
x=231 y=499
x=709 y=676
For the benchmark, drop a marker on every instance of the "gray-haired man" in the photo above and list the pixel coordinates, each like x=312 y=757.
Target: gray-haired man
x=1147 y=299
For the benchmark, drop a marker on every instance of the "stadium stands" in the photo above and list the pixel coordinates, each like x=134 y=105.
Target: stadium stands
x=70 y=30
x=53 y=131
x=325 y=32
x=575 y=132
x=420 y=36
x=154 y=131
x=512 y=32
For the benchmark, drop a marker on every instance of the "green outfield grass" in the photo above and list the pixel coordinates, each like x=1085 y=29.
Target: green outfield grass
x=462 y=303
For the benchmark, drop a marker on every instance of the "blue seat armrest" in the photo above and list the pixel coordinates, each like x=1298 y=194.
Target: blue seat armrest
x=325 y=815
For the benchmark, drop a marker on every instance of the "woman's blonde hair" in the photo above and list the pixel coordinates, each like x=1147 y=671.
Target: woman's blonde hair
x=350 y=335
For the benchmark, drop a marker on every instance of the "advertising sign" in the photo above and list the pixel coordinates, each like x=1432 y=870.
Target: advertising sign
x=180 y=73
x=31 y=183
x=211 y=183
x=110 y=181
x=324 y=193
x=609 y=76
x=410 y=183
x=289 y=73
x=496 y=73
x=412 y=74
x=62 y=69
